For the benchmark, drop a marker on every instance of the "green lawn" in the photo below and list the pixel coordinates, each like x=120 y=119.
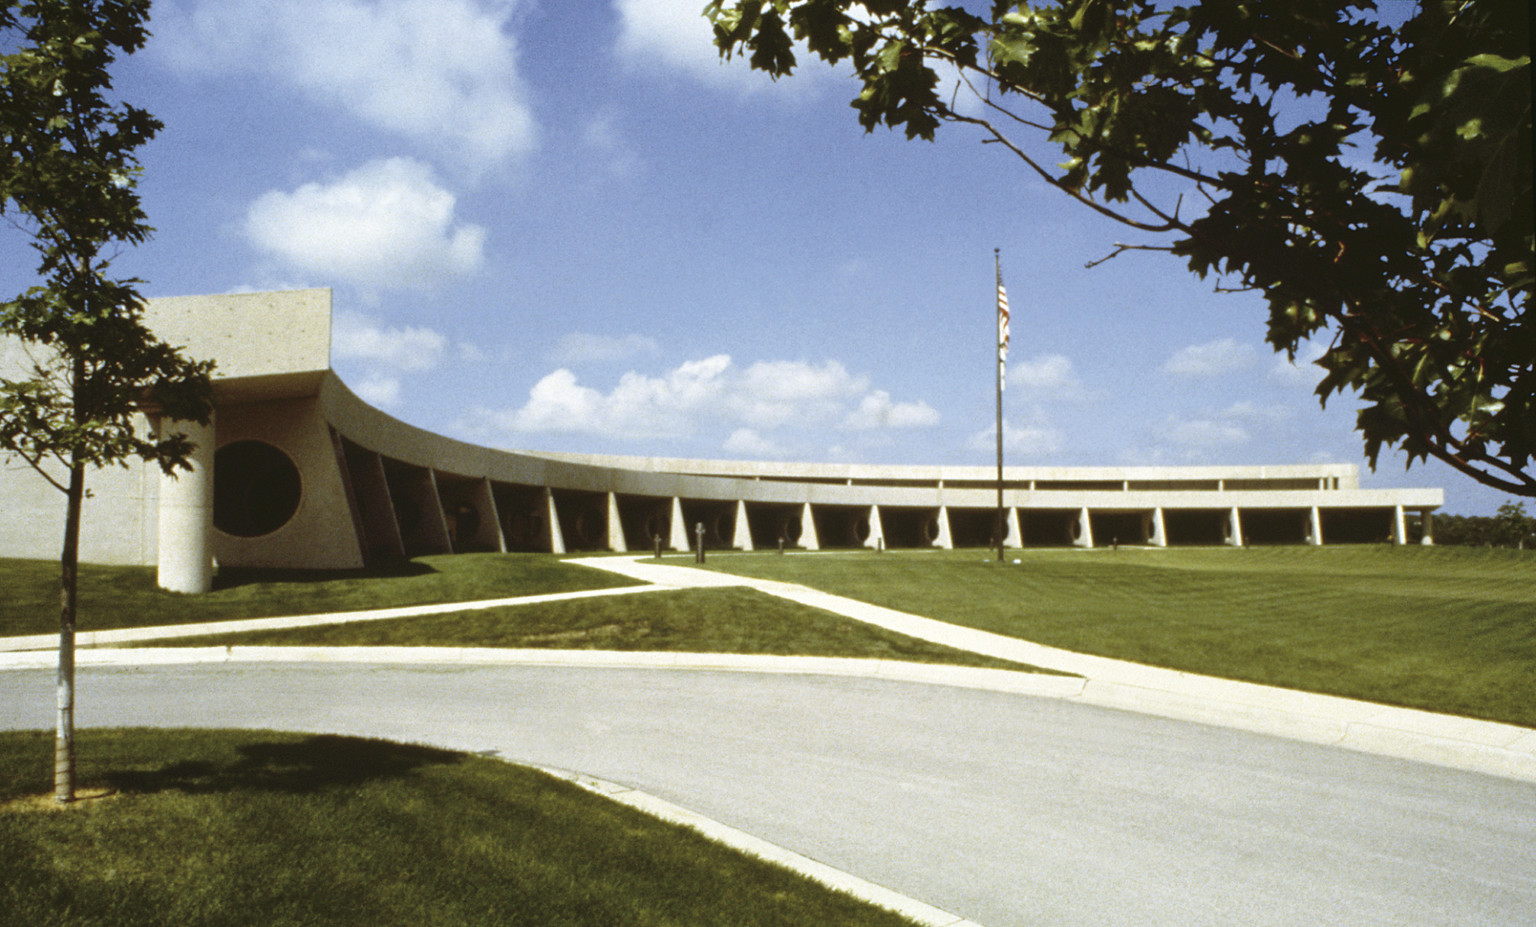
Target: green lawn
x=728 y=620
x=1445 y=629
x=233 y=828
x=123 y=597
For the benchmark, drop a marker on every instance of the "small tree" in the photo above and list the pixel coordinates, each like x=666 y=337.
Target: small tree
x=67 y=179
x=1512 y=527
x=1373 y=182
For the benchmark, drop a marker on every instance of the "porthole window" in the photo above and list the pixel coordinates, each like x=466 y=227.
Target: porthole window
x=256 y=489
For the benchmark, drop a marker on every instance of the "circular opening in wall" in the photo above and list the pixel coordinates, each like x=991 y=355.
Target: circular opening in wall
x=256 y=489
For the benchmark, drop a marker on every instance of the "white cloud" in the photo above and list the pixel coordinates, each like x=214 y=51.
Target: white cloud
x=1048 y=373
x=1032 y=440
x=603 y=137
x=1303 y=370
x=373 y=355
x=1249 y=412
x=746 y=442
x=1027 y=441
x=954 y=90
x=674 y=35
x=1211 y=359
x=408 y=348
x=769 y=394
x=386 y=224
x=379 y=390
x=1206 y=433
x=441 y=72
x=877 y=410
x=700 y=395
x=587 y=348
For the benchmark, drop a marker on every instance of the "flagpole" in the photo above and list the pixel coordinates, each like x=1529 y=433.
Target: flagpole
x=1002 y=349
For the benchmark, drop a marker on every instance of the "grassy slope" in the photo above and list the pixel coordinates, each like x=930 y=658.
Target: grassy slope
x=120 y=597
x=729 y=620
x=1447 y=629
x=257 y=828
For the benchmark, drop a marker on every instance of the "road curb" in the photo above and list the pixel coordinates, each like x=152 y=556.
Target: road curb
x=739 y=840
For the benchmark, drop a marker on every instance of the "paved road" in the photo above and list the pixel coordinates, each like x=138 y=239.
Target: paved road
x=1007 y=809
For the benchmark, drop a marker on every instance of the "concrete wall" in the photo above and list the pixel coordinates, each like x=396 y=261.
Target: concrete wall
x=370 y=487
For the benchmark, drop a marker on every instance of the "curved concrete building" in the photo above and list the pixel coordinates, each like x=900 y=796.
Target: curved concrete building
x=296 y=471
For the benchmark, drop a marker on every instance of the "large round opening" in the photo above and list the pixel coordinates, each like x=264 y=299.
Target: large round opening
x=256 y=489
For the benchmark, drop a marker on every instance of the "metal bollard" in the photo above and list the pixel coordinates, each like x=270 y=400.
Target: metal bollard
x=658 y=546
x=698 y=532
x=781 y=544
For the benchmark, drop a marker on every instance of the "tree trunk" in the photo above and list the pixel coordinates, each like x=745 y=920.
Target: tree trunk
x=69 y=562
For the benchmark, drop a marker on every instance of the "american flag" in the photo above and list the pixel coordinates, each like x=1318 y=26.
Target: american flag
x=1002 y=333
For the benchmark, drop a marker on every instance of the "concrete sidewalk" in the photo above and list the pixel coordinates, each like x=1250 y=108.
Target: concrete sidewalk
x=1445 y=740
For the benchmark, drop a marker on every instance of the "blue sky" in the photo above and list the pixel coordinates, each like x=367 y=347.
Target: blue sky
x=569 y=226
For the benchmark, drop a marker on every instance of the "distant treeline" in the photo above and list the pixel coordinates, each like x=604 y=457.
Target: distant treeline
x=1510 y=527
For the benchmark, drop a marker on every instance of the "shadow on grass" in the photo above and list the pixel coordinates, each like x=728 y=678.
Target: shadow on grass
x=235 y=577
x=312 y=764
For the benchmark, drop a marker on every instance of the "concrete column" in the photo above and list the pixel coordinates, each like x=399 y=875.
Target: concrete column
x=556 y=536
x=1158 y=536
x=741 y=535
x=945 y=540
x=1015 y=535
x=185 y=530
x=678 y=534
x=1427 y=520
x=491 y=534
x=615 y=527
x=1084 y=530
x=1399 y=526
x=808 y=537
x=1234 y=528
x=1315 y=533
x=876 y=539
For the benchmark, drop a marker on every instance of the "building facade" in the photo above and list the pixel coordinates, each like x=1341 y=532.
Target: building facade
x=296 y=471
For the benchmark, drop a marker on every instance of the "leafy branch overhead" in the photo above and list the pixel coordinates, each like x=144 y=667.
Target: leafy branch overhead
x=1371 y=179
x=68 y=166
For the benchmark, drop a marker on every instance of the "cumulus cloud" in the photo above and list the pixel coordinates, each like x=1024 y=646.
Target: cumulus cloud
x=603 y=137
x=1212 y=359
x=441 y=72
x=379 y=390
x=877 y=410
x=1022 y=440
x=387 y=224
x=746 y=442
x=411 y=348
x=710 y=393
x=1046 y=375
x=671 y=34
x=1302 y=371
x=381 y=353
x=1202 y=434
x=587 y=348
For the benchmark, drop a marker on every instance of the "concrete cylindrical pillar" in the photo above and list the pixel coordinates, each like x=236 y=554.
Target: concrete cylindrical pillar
x=185 y=533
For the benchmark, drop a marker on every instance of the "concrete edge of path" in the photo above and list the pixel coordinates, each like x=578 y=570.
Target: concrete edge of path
x=743 y=842
x=994 y=680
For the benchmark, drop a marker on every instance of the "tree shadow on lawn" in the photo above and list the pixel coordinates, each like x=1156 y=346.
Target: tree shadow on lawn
x=313 y=764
